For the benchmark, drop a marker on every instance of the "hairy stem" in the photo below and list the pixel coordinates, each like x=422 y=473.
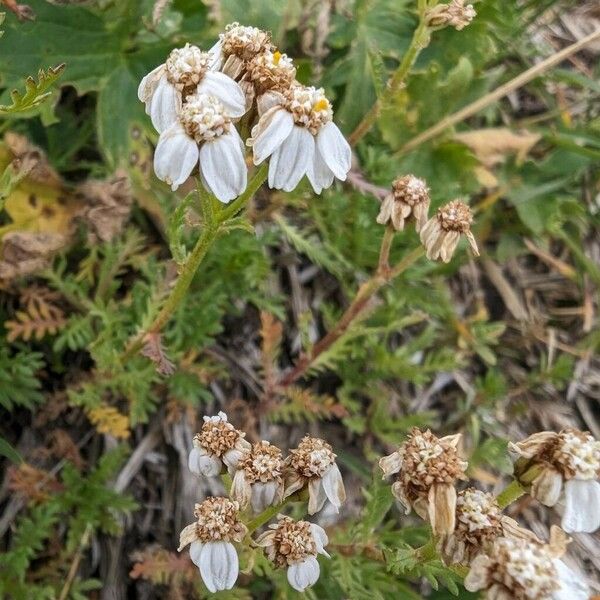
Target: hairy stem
x=513 y=491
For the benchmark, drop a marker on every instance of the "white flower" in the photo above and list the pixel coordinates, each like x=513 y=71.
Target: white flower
x=313 y=464
x=563 y=470
x=295 y=545
x=296 y=130
x=218 y=443
x=186 y=71
x=203 y=135
x=210 y=537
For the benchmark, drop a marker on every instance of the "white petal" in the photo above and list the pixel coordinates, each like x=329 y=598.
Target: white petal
x=222 y=166
x=582 y=506
x=175 y=156
x=267 y=101
x=231 y=458
x=165 y=105
x=226 y=90
x=335 y=150
x=316 y=495
x=219 y=565
x=290 y=162
x=333 y=485
x=195 y=550
x=319 y=174
x=263 y=495
x=572 y=585
x=303 y=574
x=276 y=126
x=216 y=56
x=148 y=85
x=320 y=537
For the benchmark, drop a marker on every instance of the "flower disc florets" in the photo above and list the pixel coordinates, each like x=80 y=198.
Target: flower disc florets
x=477 y=516
x=576 y=455
x=204 y=118
x=309 y=107
x=218 y=520
x=186 y=66
x=410 y=190
x=244 y=42
x=455 y=216
x=292 y=543
x=312 y=457
x=217 y=435
x=271 y=71
x=263 y=463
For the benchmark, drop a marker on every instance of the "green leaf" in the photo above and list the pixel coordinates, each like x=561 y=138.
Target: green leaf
x=9 y=452
x=35 y=91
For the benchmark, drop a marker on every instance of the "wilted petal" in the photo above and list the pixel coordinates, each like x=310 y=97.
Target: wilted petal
x=303 y=574
x=334 y=149
x=320 y=538
x=226 y=90
x=267 y=101
x=218 y=565
x=291 y=160
x=222 y=166
x=264 y=495
x=333 y=485
x=175 y=156
x=293 y=483
x=273 y=128
x=240 y=489
x=442 y=508
x=164 y=105
x=572 y=585
x=582 y=506
x=532 y=445
x=195 y=551
x=390 y=464
x=316 y=495
x=477 y=578
x=546 y=487
x=188 y=535
x=202 y=463
x=148 y=85
x=232 y=458
x=216 y=57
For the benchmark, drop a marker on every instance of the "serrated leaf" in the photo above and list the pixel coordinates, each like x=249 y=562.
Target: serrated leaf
x=175 y=229
x=35 y=91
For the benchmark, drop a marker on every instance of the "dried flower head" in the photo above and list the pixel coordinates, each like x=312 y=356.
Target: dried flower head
x=295 y=545
x=563 y=468
x=313 y=463
x=243 y=41
x=426 y=469
x=456 y=14
x=218 y=443
x=185 y=67
x=211 y=538
x=518 y=569
x=258 y=479
x=309 y=107
x=409 y=199
x=271 y=71
x=441 y=234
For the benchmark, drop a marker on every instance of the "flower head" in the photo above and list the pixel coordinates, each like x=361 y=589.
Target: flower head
x=563 y=469
x=426 y=469
x=185 y=67
x=258 y=479
x=456 y=14
x=518 y=569
x=203 y=135
x=313 y=463
x=211 y=538
x=441 y=234
x=218 y=443
x=295 y=545
x=408 y=199
x=296 y=130
x=271 y=71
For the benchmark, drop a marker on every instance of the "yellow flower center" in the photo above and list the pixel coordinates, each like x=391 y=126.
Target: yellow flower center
x=276 y=57
x=322 y=104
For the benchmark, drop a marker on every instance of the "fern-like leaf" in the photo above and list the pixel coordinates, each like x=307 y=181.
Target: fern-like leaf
x=35 y=91
x=40 y=318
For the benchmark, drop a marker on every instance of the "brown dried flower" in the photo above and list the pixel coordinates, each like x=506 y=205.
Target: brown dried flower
x=295 y=545
x=258 y=479
x=238 y=45
x=456 y=14
x=441 y=234
x=270 y=71
x=563 y=467
x=25 y=252
x=313 y=464
x=426 y=469
x=408 y=200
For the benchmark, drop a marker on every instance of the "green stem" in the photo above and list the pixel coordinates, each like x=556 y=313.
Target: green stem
x=419 y=41
x=510 y=493
x=272 y=511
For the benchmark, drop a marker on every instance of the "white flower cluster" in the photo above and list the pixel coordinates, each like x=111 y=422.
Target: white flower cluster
x=196 y=98
x=261 y=478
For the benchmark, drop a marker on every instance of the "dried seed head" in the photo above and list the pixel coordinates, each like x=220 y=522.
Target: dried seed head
x=456 y=14
x=217 y=435
x=309 y=107
x=271 y=71
x=263 y=463
x=204 y=118
x=516 y=569
x=218 y=521
x=577 y=455
x=409 y=199
x=441 y=234
x=291 y=542
x=477 y=517
x=244 y=42
x=186 y=66
x=427 y=459
x=312 y=458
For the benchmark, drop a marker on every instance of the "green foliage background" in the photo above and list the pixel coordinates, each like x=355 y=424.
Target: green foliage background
x=443 y=330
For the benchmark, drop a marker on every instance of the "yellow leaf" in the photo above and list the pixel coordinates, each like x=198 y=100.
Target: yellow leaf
x=107 y=419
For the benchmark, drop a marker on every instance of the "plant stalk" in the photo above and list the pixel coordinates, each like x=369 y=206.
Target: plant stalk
x=513 y=491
